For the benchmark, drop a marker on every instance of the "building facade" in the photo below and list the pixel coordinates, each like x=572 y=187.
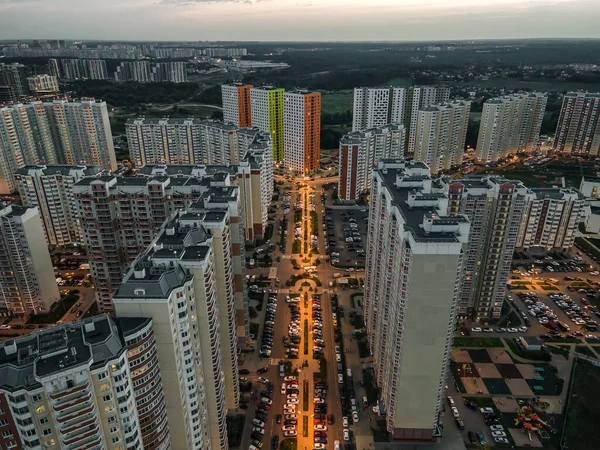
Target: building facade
x=496 y=208
x=302 y=131
x=267 y=114
x=361 y=151
x=152 y=72
x=410 y=243
x=551 y=219
x=43 y=85
x=78 y=386
x=509 y=125
x=56 y=132
x=441 y=131
x=50 y=189
x=27 y=283
x=176 y=282
x=236 y=104
x=13 y=77
x=578 y=129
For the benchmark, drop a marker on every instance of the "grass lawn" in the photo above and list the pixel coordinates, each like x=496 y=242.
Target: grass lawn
x=534 y=356
x=583 y=409
x=459 y=383
x=235 y=428
x=305 y=395
x=477 y=342
x=306 y=336
x=560 y=350
x=511 y=321
x=305 y=425
x=60 y=310
x=585 y=350
x=296 y=246
x=322 y=373
x=338 y=102
x=548 y=287
x=289 y=444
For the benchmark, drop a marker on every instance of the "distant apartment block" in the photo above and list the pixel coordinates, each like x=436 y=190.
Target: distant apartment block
x=151 y=72
x=55 y=132
x=27 y=282
x=374 y=107
x=79 y=69
x=509 y=125
x=302 y=131
x=236 y=104
x=13 y=82
x=361 y=151
x=88 y=384
x=496 y=208
x=441 y=132
x=183 y=282
x=412 y=278
x=267 y=114
x=578 y=130
x=40 y=85
x=50 y=189
x=187 y=141
x=551 y=219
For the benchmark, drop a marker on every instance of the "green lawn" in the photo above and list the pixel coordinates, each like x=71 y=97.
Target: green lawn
x=477 y=342
x=585 y=350
x=400 y=82
x=583 y=408
x=305 y=395
x=235 y=428
x=560 y=350
x=289 y=444
x=580 y=284
x=338 y=102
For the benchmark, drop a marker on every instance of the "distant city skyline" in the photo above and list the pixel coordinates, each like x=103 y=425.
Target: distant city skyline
x=298 y=20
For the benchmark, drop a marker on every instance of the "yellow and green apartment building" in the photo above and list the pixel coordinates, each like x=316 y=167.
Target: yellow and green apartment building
x=267 y=115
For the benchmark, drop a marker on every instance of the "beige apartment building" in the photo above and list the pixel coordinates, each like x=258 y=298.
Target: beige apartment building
x=88 y=384
x=410 y=319
x=578 y=129
x=27 y=282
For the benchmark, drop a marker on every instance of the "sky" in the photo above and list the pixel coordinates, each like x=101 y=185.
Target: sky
x=298 y=20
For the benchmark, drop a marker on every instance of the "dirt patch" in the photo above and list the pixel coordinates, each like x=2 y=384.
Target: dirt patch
x=487 y=370
x=474 y=385
x=461 y=356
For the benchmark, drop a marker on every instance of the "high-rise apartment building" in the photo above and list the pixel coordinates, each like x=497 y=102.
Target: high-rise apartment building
x=361 y=151
x=551 y=219
x=56 y=132
x=151 y=72
x=496 y=208
x=510 y=124
x=440 y=134
x=87 y=384
x=578 y=129
x=374 y=107
x=183 y=282
x=302 y=131
x=43 y=85
x=54 y=68
x=267 y=114
x=188 y=141
x=413 y=268
x=14 y=78
x=96 y=69
x=50 y=189
x=236 y=104
x=27 y=283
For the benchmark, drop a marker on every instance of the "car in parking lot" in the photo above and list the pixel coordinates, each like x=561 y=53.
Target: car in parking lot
x=481 y=438
x=455 y=412
x=498 y=434
x=459 y=423
x=346 y=435
x=355 y=416
x=320 y=427
x=496 y=428
x=291 y=433
x=472 y=438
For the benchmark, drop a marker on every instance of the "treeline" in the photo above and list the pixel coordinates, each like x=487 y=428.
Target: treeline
x=133 y=94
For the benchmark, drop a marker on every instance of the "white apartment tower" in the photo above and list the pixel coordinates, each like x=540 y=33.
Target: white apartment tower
x=77 y=385
x=440 y=134
x=361 y=151
x=418 y=97
x=509 y=125
x=371 y=108
x=50 y=189
x=551 y=219
x=302 y=131
x=496 y=208
x=27 y=283
x=237 y=107
x=578 y=129
x=175 y=282
x=412 y=277
x=57 y=132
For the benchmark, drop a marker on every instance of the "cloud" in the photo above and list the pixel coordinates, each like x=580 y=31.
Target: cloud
x=7 y=2
x=193 y=2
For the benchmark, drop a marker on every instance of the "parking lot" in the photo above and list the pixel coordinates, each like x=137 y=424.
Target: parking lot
x=346 y=231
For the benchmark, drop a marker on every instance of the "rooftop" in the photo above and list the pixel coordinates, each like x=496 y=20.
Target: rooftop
x=59 y=169
x=25 y=361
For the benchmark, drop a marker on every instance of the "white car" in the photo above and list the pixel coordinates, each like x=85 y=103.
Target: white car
x=476 y=330
x=292 y=433
x=487 y=410
x=291 y=417
x=346 y=435
x=340 y=378
x=263 y=380
x=496 y=428
x=355 y=416
x=290 y=378
x=319 y=446
x=283 y=388
x=523 y=329
x=345 y=422
x=288 y=428
x=288 y=411
x=292 y=401
x=320 y=427
x=258 y=430
x=455 y=412
x=512 y=330
x=292 y=396
x=500 y=440
x=498 y=434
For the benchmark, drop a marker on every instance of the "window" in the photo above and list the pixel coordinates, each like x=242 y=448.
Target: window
x=47 y=432
x=107 y=398
x=43 y=420
x=40 y=409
